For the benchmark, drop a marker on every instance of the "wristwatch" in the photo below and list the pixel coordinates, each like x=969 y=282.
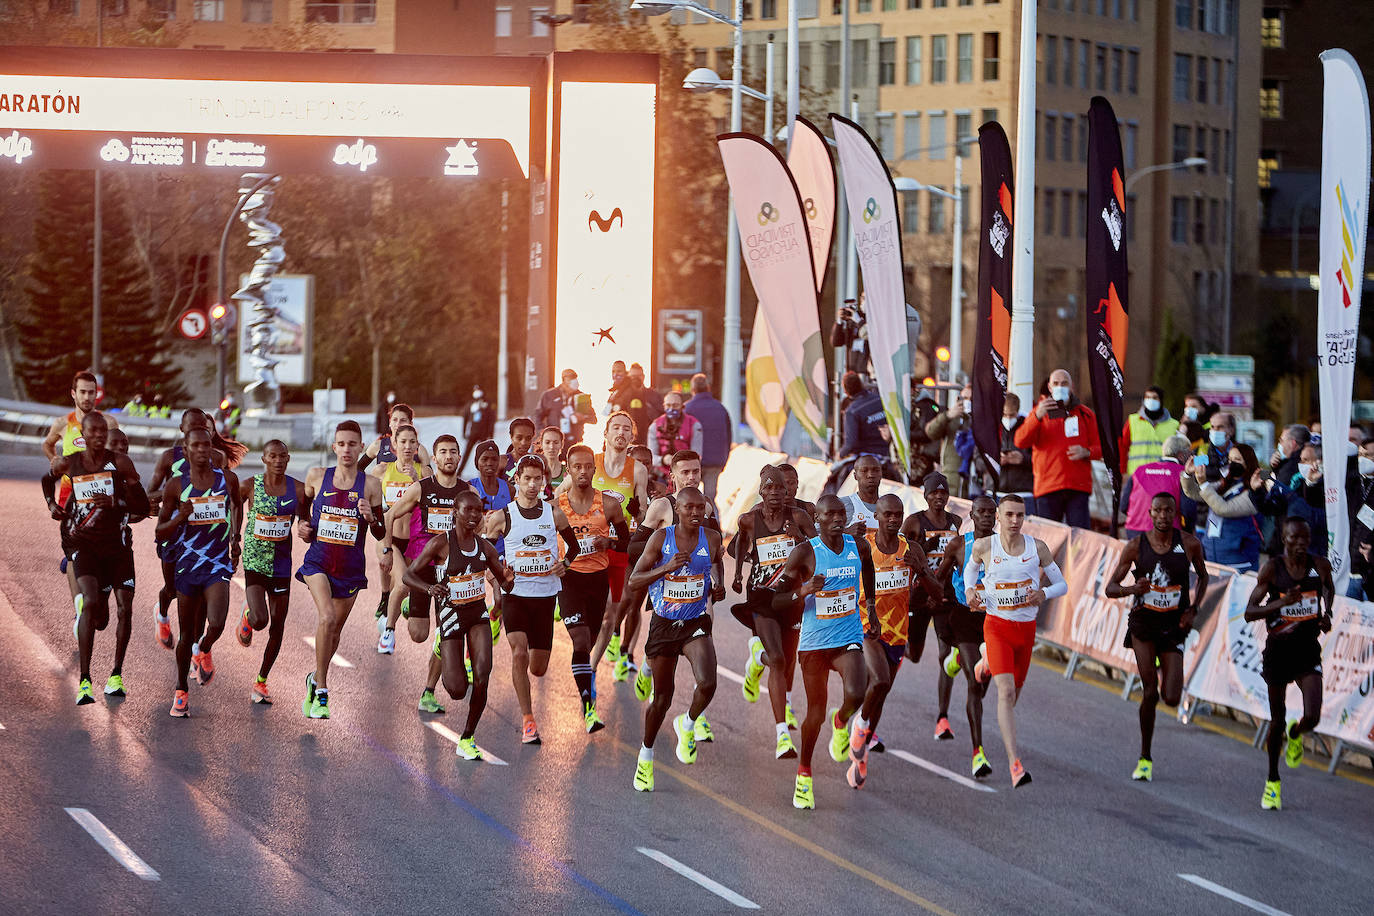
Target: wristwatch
x=385 y=551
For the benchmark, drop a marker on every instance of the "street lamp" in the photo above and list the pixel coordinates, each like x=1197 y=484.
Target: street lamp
x=1191 y=162
x=956 y=310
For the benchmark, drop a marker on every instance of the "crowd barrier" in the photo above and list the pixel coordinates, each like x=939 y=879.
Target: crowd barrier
x=1221 y=658
x=22 y=421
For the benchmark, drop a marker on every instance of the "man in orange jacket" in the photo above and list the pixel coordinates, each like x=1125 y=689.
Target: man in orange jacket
x=1062 y=435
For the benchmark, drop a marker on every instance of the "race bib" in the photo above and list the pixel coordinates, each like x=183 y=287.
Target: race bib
x=1162 y=598
x=683 y=589
x=439 y=519
x=1008 y=596
x=896 y=579
x=392 y=491
x=208 y=510
x=936 y=553
x=833 y=604
x=774 y=549
x=586 y=545
x=337 y=528
x=532 y=562
x=1306 y=609
x=272 y=527
x=465 y=588
x=1071 y=428
x=88 y=486
x=1366 y=517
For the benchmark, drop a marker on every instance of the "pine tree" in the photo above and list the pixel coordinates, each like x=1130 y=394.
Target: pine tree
x=1174 y=371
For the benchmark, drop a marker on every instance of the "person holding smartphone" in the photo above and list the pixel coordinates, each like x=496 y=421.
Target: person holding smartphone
x=1061 y=433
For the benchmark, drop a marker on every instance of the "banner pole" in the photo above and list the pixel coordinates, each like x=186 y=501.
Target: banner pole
x=1022 y=346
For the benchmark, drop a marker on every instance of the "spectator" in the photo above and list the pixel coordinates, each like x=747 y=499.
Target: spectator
x=717 y=433
x=479 y=423
x=1221 y=437
x=1145 y=432
x=564 y=406
x=1062 y=435
x=1151 y=479
x=1359 y=499
x=1015 y=477
x=1232 y=536
x=865 y=424
x=848 y=333
x=1303 y=495
x=641 y=403
x=1195 y=408
x=1356 y=434
x=925 y=454
x=671 y=433
x=619 y=380
x=1284 y=461
x=945 y=428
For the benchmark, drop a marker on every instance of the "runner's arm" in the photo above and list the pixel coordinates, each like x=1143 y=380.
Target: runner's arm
x=973 y=570
x=641 y=484
x=804 y=522
x=54 y=436
x=741 y=545
x=868 y=578
x=616 y=516
x=921 y=572
x=172 y=513
x=717 y=567
x=231 y=481
x=304 y=529
x=136 y=496
x=49 y=484
x=1192 y=547
x=436 y=551
x=370 y=455
x=1328 y=592
x=800 y=565
x=1256 y=608
x=645 y=573
x=1050 y=569
x=372 y=495
x=403 y=506
x=503 y=574
x=1129 y=553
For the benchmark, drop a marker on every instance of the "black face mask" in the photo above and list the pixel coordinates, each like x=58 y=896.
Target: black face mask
x=1235 y=471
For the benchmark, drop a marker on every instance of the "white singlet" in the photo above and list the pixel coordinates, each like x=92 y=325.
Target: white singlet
x=856 y=510
x=1008 y=580
x=532 y=551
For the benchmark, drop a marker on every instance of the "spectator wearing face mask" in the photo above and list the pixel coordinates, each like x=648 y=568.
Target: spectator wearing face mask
x=1015 y=476
x=1145 y=432
x=1284 y=461
x=1061 y=433
x=1151 y=479
x=566 y=409
x=1221 y=437
x=1195 y=409
x=1232 y=534
x=671 y=433
x=1359 y=498
x=1302 y=495
x=946 y=428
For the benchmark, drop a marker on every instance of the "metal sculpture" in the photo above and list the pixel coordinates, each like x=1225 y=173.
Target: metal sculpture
x=260 y=316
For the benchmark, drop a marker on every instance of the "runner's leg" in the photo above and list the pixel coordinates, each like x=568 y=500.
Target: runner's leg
x=662 y=668
x=1278 y=713
x=124 y=625
x=1007 y=692
x=94 y=615
x=479 y=650
x=331 y=613
x=276 y=629
x=880 y=675
x=520 y=669
x=216 y=612
x=774 y=657
x=701 y=654
x=1149 y=691
x=973 y=705
x=815 y=669
x=188 y=613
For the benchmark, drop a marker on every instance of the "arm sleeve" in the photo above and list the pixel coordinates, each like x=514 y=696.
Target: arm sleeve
x=363 y=461
x=1058 y=587
x=938 y=425
x=972 y=570
x=622 y=535
x=570 y=539
x=49 y=485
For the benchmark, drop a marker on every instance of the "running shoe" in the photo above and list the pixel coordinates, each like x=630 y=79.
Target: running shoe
x=495 y=630
x=405 y=607
x=981 y=674
x=591 y=719
x=786 y=749
x=529 y=734
x=245 y=630
x=1292 y=754
x=309 y=694
x=319 y=708
x=1144 y=770
x=85 y=693
x=1272 y=799
x=181 y=705
x=613 y=648
x=686 y=740
x=114 y=687
x=468 y=749
x=205 y=667
x=876 y=746
x=591 y=688
x=437 y=653
x=428 y=703
x=857 y=774
x=859 y=737
x=386 y=644
x=557 y=611
x=381 y=624
x=952 y=666
x=78 y=602
x=790 y=717
x=753 y=670
x=644 y=684
x=62 y=565
x=261 y=694
x=467 y=667
x=942 y=730
x=163 y=630
x=381 y=608
x=1019 y=776
x=981 y=768
x=839 y=737
x=644 y=776
x=621 y=671
x=802 y=796
x=702 y=731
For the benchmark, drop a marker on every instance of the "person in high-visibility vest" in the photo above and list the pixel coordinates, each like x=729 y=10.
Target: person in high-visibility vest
x=1146 y=431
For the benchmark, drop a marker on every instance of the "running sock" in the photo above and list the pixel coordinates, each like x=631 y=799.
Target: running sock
x=837 y=721
x=860 y=722
x=646 y=753
x=691 y=723
x=789 y=698
x=582 y=674
x=262 y=679
x=803 y=770
x=781 y=728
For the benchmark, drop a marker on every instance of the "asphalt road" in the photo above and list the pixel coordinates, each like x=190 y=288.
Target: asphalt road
x=253 y=809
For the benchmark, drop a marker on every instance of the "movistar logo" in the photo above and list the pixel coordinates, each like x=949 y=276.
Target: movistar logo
x=767 y=214
x=872 y=211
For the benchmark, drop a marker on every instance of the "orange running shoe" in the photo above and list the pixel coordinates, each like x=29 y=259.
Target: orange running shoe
x=163 y=630
x=261 y=693
x=205 y=667
x=530 y=733
x=1019 y=776
x=942 y=730
x=245 y=630
x=181 y=705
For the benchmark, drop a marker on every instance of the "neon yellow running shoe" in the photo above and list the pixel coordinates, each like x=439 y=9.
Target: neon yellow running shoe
x=437 y=653
x=467 y=666
x=786 y=750
x=1292 y=755
x=591 y=719
x=1272 y=799
x=753 y=670
x=85 y=693
x=468 y=749
x=114 y=687
x=621 y=671
x=1144 y=770
x=702 y=730
x=405 y=607
x=613 y=648
x=839 y=738
x=557 y=611
x=686 y=740
x=495 y=630
x=952 y=666
x=644 y=684
x=644 y=776
x=428 y=703
x=981 y=768
x=802 y=796
x=790 y=718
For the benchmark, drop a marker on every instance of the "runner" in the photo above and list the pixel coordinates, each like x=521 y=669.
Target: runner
x=828 y=571
x=201 y=514
x=530 y=524
x=967 y=625
x=1162 y=612
x=345 y=505
x=934 y=529
x=899 y=568
x=521 y=439
x=681 y=567
x=1297 y=590
x=1012 y=566
x=270 y=502
x=460 y=600
x=397 y=477
x=793 y=483
x=585 y=584
x=551 y=450
x=106 y=492
x=767 y=534
x=430 y=505
x=383 y=448
x=67 y=430
x=496 y=493
x=861 y=506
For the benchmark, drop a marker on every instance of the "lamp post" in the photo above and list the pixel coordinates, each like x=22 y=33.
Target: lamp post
x=956 y=293
x=1190 y=163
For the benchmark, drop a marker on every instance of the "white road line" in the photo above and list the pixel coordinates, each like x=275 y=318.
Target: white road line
x=715 y=887
x=113 y=844
x=1232 y=895
x=737 y=678
x=450 y=734
x=940 y=771
x=338 y=659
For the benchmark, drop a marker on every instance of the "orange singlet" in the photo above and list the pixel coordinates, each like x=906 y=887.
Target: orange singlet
x=586 y=527
x=893 y=586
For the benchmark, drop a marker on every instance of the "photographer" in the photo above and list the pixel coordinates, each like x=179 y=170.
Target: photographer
x=1061 y=433
x=849 y=332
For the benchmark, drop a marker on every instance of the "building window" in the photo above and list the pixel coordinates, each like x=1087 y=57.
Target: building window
x=1226 y=152
x=1118 y=65
x=208 y=11
x=1066 y=213
x=1183 y=14
x=1082 y=214
x=1199 y=221
x=1066 y=138
x=503 y=22
x=163 y=9
x=988 y=115
x=936 y=223
x=1068 y=61
x=911 y=136
x=1268 y=164
x=1051 y=59
x=937 y=140
x=1182 y=142
x=913 y=4
x=832 y=64
x=913 y=60
x=1083 y=64
x=992 y=55
x=701 y=58
x=1131 y=141
x=1214 y=161
x=858 y=62
x=965 y=46
x=1218 y=88
x=1271 y=28
x=359 y=12
x=963 y=132
x=1271 y=99
x=1201 y=79
x=1183 y=77
x=938 y=4
x=768 y=9
x=1214 y=221
x=1133 y=72
x=1049 y=213
x=1051 y=137
x=865 y=6
x=887 y=62
x=539 y=29
x=1100 y=69
x=1082 y=139
x=1178 y=221
x=911 y=212
x=938 y=57
x=257 y=10
x=1201 y=153
x=60 y=7
x=886 y=124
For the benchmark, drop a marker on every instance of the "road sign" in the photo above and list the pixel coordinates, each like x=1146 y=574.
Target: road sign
x=1207 y=381
x=193 y=324
x=1227 y=380
x=679 y=341
x=1222 y=363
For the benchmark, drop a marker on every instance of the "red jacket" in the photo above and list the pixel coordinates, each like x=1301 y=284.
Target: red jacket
x=1049 y=443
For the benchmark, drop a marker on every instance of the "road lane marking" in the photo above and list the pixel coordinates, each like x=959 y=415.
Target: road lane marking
x=738 y=678
x=691 y=874
x=112 y=844
x=450 y=734
x=337 y=659
x=1232 y=895
x=940 y=771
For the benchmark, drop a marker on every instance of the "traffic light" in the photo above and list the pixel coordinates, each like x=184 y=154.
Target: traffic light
x=218 y=313
x=942 y=356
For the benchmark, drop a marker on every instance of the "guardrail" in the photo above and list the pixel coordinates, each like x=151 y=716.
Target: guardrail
x=24 y=421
